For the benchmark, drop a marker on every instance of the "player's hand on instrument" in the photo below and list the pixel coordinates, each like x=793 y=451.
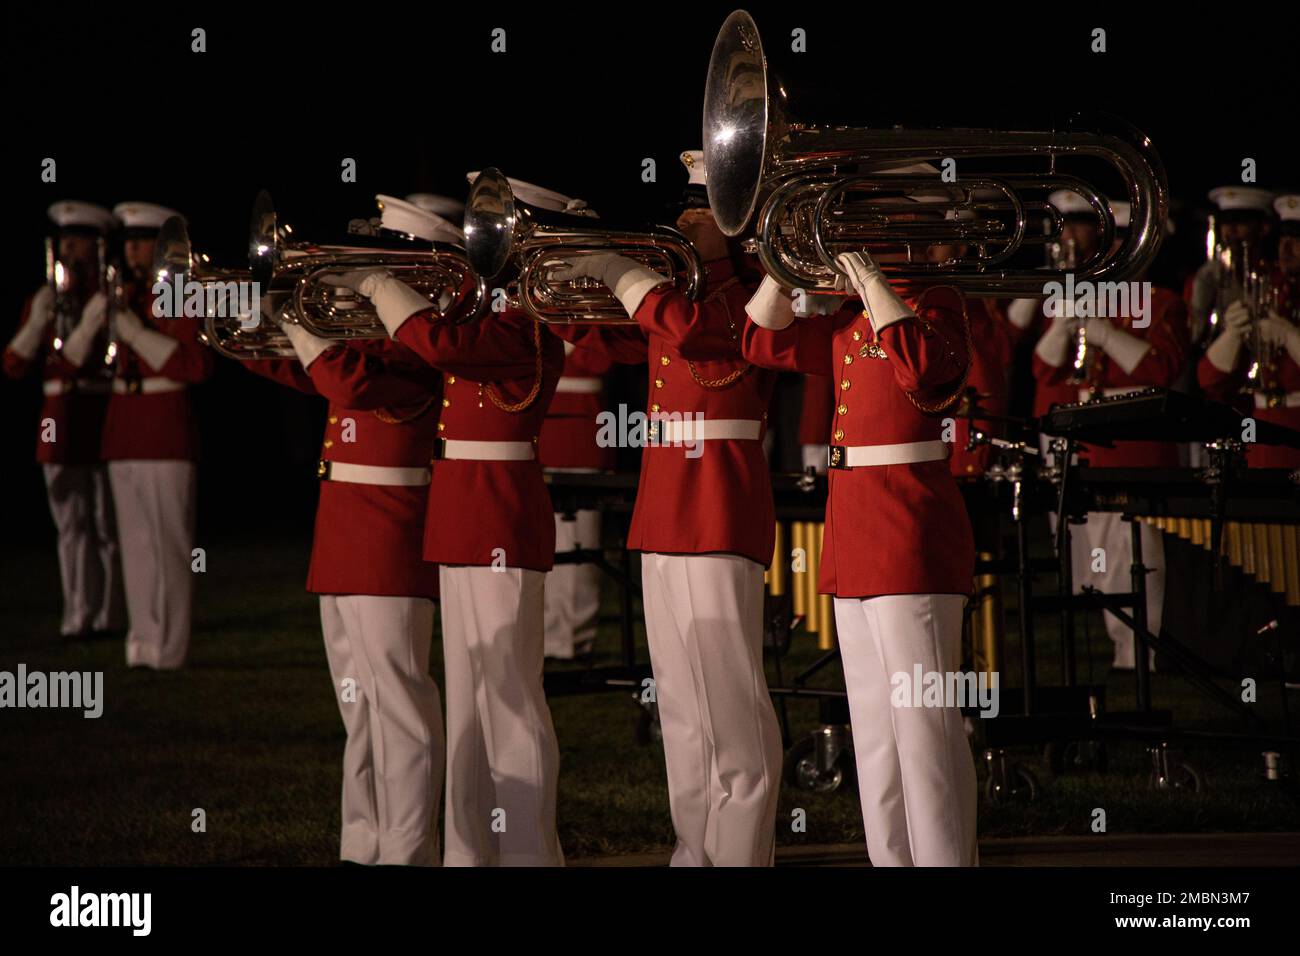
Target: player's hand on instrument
x=362 y=281
x=1274 y=331
x=126 y=325
x=308 y=347
x=598 y=266
x=771 y=307
x=42 y=312
x=1236 y=318
x=858 y=270
x=95 y=310
x=1098 y=331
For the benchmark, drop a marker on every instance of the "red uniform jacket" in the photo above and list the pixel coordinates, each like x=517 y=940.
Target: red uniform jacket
x=890 y=529
x=383 y=410
x=78 y=414
x=720 y=501
x=162 y=425
x=489 y=512
x=1167 y=334
x=991 y=336
x=817 y=410
x=568 y=438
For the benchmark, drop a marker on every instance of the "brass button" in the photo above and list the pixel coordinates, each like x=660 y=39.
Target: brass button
x=654 y=408
x=839 y=434
x=845 y=384
x=663 y=360
x=334 y=420
x=451 y=379
x=659 y=383
x=442 y=426
x=848 y=360
x=843 y=409
x=446 y=402
x=328 y=443
x=857 y=335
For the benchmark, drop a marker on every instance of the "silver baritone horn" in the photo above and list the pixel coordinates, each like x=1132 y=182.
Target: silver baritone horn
x=302 y=272
x=516 y=244
x=811 y=192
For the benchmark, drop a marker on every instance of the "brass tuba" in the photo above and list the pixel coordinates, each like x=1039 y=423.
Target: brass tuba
x=304 y=272
x=811 y=192
x=509 y=239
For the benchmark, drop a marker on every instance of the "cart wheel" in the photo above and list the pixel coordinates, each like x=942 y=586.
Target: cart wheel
x=1020 y=786
x=1072 y=756
x=802 y=773
x=1183 y=777
x=648 y=730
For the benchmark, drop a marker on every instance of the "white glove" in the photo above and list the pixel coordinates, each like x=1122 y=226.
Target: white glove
x=82 y=338
x=882 y=304
x=150 y=344
x=1274 y=331
x=1021 y=312
x=306 y=346
x=28 y=338
x=1225 y=350
x=771 y=307
x=1236 y=318
x=393 y=299
x=628 y=279
x=1125 y=348
x=1054 y=344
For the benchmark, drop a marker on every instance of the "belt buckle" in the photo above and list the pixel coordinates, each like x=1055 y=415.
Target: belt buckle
x=133 y=386
x=323 y=469
x=837 y=457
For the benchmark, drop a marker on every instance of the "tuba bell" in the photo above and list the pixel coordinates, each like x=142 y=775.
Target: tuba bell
x=810 y=193
x=508 y=239
x=303 y=273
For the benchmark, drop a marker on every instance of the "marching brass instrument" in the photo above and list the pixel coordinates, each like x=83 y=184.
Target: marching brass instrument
x=1259 y=294
x=63 y=303
x=507 y=238
x=812 y=192
x=243 y=337
x=306 y=273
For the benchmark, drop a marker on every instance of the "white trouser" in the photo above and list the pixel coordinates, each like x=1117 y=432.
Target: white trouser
x=82 y=508
x=154 y=501
x=722 y=745
x=378 y=652
x=502 y=757
x=916 y=777
x=1109 y=531
x=573 y=590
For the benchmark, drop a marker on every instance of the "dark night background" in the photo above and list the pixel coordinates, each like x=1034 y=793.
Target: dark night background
x=583 y=95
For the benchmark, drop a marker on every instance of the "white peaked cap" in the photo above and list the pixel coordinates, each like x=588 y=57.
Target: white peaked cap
x=1242 y=198
x=1287 y=208
x=143 y=215
x=693 y=160
x=445 y=206
x=402 y=216
x=1122 y=210
x=1068 y=202
x=542 y=198
x=70 y=213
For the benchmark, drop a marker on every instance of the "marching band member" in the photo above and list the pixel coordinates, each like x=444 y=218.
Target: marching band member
x=72 y=414
x=1222 y=370
x=704 y=522
x=376 y=591
x=815 y=414
x=898 y=552
x=1123 y=356
x=1244 y=224
x=491 y=531
x=151 y=444
x=568 y=443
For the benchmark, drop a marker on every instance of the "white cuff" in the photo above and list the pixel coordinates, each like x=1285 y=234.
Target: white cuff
x=1054 y=343
x=80 y=339
x=394 y=301
x=770 y=307
x=306 y=346
x=1293 y=344
x=631 y=282
x=1124 y=347
x=27 y=341
x=1021 y=312
x=882 y=303
x=154 y=347
x=1224 y=351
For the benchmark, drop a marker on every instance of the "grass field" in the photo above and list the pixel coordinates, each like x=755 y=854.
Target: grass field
x=250 y=733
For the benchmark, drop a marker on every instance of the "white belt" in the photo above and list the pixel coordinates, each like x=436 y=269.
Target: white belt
x=61 y=386
x=1087 y=395
x=903 y=453
x=462 y=450
x=581 y=385
x=146 y=386
x=1289 y=400
x=673 y=431
x=370 y=474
